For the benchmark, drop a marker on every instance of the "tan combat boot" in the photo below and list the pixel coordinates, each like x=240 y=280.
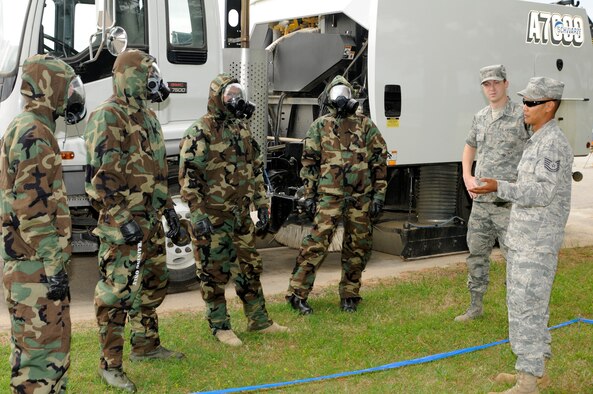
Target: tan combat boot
x=228 y=337
x=510 y=378
x=476 y=307
x=526 y=384
x=274 y=328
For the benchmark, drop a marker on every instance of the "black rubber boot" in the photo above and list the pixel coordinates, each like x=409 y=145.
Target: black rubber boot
x=300 y=305
x=349 y=305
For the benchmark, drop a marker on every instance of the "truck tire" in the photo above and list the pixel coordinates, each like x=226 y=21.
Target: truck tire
x=180 y=258
x=182 y=267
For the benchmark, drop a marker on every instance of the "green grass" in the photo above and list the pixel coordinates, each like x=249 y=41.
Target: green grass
x=400 y=319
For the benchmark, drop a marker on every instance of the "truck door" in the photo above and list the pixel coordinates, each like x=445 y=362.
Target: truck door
x=186 y=42
x=66 y=33
x=175 y=32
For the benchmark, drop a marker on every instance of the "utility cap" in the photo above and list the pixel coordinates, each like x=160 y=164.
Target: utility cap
x=543 y=88
x=495 y=72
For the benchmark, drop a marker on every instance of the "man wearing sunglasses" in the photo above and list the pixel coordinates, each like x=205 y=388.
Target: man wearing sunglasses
x=497 y=138
x=541 y=204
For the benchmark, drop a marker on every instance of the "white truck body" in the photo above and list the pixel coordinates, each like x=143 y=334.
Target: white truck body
x=417 y=64
x=434 y=50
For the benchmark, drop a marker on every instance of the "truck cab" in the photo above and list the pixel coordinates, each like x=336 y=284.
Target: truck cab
x=183 y=35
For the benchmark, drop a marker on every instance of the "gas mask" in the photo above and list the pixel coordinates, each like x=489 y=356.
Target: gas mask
x=158 y=91
x=341 y=99
x=75 y=103
x=233 y=98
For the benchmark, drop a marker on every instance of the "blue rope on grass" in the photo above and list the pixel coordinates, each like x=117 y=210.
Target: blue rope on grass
x=394 y=365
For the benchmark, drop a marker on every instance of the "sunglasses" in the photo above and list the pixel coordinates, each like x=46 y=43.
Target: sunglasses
x=532 y=103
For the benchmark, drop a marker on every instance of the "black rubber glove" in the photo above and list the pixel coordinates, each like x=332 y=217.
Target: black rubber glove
x=173 y=222
x=263 y=216
x=132 y=232
x=203 y=228
x=310 y=206
x=376 y=209
x=182 y=238
x=58 y=286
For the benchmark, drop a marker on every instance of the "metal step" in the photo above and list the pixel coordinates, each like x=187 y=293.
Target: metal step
x=419 y=242
x=82 y=245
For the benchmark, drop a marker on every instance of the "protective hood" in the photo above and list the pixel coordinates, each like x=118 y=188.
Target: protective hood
x=130 y=77
x=215 y=105
x=45 y=84
x=338 y=80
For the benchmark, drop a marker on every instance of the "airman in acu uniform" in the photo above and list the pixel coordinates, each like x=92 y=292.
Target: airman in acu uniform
x=496 y=139
x=541 y=204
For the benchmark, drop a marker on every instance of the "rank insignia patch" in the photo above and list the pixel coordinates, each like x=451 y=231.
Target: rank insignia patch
x=552 y=166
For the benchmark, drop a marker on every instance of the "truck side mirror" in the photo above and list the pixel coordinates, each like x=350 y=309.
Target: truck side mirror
x=117 y=40
x=114 y=38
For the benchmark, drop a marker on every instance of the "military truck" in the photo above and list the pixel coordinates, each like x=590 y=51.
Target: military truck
x=415 y=65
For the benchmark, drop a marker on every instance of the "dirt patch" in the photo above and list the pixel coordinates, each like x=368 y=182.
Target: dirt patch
x=4 y=340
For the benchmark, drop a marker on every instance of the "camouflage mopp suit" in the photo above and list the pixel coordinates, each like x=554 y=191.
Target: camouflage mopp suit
x=127 y=181
x=36 y=231
x=344 y=171
x=221 y=176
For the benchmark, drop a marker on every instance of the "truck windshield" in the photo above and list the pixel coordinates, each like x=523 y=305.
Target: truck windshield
x=69 y=24
x=12 y=19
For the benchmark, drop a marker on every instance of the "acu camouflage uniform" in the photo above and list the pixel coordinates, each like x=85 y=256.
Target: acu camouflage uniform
x=344 y=168
x=221 y=175
x=36 y=230
x=541 y=204
x=127 y=179
x=499 y=144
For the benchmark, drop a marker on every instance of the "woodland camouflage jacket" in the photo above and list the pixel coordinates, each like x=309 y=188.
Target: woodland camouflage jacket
x=127 y=168
x=344 y=156
x=35 y=216
x=220 y=165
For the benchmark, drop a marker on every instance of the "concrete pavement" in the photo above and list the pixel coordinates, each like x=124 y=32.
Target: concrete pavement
x=280 y=261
